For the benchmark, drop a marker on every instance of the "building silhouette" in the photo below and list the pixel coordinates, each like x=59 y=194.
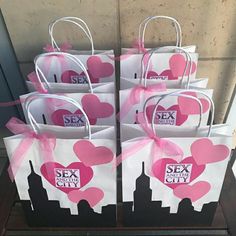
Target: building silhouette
x=40 y=211
x=145 y=212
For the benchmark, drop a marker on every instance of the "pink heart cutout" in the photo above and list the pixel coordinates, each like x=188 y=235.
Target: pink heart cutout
x=92 y=195
x=72 y=77
x=94 y=108
x=193 y=192
x=189 y=106
x=177 y=65
x=85 y=174
x=205 y=152
x=180 y=119
x=165 y=73
x=159 y=170
x=59 y=117
x=99 y=69
x=91 y=155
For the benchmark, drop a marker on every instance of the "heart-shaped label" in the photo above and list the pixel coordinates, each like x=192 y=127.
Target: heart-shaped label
x=72 y=77
x=177 y=65
x=63 y=117
x=169 y=116
x=99 y=69
x=193 y=192
x=189 y=106
x=173 y=173
x=165 y=75
x=205 y=152
x=91 y=155
x=73 y=177
x=92 y=195
x=94 y=108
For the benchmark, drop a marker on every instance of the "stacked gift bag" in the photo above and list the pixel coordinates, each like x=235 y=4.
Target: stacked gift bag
x=173 y=161
x=63 y=160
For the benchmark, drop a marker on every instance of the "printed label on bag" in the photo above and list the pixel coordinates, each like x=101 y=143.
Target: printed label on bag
x=78 y=79
x=178 y=173
x=75 y=120
x=159 y=77
x=67 y=178
x=166 y=117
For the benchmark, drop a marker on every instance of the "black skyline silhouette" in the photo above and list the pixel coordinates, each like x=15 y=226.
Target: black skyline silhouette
x=145 y=212
x=40 y=211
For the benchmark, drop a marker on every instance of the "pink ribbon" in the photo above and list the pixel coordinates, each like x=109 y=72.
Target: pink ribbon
x=135 y=95
x=47 y=143
x=161 y=148
x=64 y=47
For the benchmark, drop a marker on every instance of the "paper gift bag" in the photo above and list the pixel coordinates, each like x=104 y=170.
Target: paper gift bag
x=150 y=77
x=41 y=76
x=64 y=175
x=185 y=109
x=99 y=107
x=172 y=176
x=99 y=63
x=166 y=65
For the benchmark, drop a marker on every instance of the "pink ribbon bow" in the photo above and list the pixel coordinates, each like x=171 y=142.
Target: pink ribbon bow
x=135 y=95
x=46 y=144
x=64 y=47
x=161 y=148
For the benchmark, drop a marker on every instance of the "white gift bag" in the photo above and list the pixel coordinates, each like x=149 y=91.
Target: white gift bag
x=185 y=80
x=166 y=65
x=64 y=175
x=99 y=63
x=41 y=75
x=132 y=99
x=172 y=176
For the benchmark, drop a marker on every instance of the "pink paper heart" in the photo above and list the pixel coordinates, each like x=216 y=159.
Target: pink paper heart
x=189 y=106
x=94 y=108
x=165 y=75
x=177 y=65
x=63 y=117
x=99 y=69
x=92 y=195
x=163 y=167
x=91 y=155
x=179 y=118
x=72 y=77
x=193 y=192
x=205 y=152
x=62 y=178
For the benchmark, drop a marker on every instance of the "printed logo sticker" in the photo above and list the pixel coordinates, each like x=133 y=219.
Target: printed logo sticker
x=159 y=77
x=67 y=178
x=78 y=79
x=178 y=173
x=74 y=120
x=166 y=117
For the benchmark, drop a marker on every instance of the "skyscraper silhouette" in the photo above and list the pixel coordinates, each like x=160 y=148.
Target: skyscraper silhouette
x=40 y=211
x=151 y=213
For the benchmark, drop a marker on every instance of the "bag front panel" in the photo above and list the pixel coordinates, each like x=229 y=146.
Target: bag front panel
x=169 y=191
x=171 y=111
x=80 y=183
x=164 y=66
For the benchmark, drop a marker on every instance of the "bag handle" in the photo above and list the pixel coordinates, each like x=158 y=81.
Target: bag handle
x=32 y=98
x=144 y=70
x=179 y=94
x=74 y=59
x=145 y=22
x=74 y=20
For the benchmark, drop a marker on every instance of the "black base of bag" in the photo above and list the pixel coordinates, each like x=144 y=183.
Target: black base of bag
x=153 y=214
x=42 y=212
